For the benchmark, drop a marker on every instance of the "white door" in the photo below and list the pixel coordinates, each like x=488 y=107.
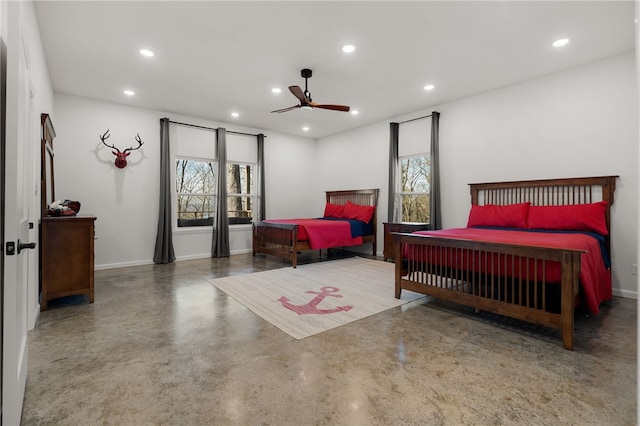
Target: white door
x=3 y=98
x=16 y=232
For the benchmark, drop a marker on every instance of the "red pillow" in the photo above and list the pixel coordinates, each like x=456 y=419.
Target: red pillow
x=509 y=216
x=358 y=212
x=577 y=217
x=333 y=210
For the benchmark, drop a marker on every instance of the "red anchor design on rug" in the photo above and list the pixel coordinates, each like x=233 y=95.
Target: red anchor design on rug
x=312 y=306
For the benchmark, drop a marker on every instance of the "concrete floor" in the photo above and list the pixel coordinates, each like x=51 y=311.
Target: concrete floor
x=161 y=346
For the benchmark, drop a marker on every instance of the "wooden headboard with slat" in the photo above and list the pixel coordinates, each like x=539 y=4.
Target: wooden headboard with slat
x=548 y=192
x=363 y=197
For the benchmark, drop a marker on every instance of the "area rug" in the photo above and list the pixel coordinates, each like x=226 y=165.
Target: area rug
x=317 y=297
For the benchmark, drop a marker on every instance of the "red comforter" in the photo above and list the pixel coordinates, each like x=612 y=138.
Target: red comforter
x=595 y=279
x=323 y=233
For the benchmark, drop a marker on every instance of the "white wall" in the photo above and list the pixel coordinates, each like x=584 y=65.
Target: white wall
x=357 y=159
x=125 y=201
x=291 y=171
x=581 y=122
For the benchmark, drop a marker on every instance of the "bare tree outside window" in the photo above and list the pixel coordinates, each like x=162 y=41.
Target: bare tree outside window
x=240 y=181
x=195 y=187
x=415 y=188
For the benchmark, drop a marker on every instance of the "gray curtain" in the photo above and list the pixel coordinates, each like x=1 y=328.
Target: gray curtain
x=394 y=131
x=220 y=240
x=261 y=190
x=434 y=205
x=164 y=240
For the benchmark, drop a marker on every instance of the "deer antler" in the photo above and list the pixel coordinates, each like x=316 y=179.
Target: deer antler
x=140 y=143
x=121 y=156
x=104 y=137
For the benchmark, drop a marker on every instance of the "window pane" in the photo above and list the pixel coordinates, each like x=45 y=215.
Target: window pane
x=240 y=209
x=193 y=180
x=195 y=210
x=195 y=177
x=415 y=174
x=415 y=208
x=239 y=179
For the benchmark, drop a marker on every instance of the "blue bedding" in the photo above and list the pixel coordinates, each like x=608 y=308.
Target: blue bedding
x=358 y=228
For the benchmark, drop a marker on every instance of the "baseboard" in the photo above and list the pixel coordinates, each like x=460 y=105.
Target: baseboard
x=122 y=265
x=150 y=261
x=243 y=251
x=34 y=320
x=625 y=293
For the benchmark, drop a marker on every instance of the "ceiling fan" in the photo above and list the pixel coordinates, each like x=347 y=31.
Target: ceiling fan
x=305 y=97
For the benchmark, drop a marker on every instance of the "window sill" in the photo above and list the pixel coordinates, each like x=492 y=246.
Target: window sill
x=193 y=230
x=209 y=229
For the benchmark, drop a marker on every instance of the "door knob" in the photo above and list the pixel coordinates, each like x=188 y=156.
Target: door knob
x=22 y=246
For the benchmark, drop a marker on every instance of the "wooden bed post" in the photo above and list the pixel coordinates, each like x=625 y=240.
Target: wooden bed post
x=294 y=252
x=397 y=256
x=569 y=290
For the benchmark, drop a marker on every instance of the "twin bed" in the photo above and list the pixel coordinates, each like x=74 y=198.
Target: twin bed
x=349 y=219
x=532 y=250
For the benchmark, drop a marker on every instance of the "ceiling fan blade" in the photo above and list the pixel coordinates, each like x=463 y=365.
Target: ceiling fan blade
x=331 y=107
x=298 y=93
x=287 y=109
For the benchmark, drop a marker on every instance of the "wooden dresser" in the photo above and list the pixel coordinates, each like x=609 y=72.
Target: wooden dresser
x=66 y=257
x=406 y=227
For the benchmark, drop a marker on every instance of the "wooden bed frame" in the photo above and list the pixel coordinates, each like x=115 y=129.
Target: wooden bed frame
x=516 y=297
x=281 y=240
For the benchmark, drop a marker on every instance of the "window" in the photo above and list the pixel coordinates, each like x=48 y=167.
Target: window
x=412 y=171
x=415 y=178
x=240 y=193
x=197 y=168
x=195 y=188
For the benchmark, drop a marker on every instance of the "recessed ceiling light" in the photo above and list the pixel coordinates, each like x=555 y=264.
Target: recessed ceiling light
x=560 y=42
x=129 y=92
x=348 y=48
x=276 y=90
x=146 y=52
x=305 y=128
x=355 y=112
x=235 y=114
x=429 y=87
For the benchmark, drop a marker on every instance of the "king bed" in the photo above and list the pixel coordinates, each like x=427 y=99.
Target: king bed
x=349 y=219
x=532 y=250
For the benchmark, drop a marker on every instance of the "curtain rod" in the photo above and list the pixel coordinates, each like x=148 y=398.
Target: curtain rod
x=211 y=128
x=414 y=119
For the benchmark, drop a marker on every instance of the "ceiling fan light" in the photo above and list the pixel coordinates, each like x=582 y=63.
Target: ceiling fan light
x=306 y=108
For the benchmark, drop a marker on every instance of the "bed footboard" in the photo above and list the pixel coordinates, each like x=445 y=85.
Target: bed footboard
x=276 y=239
x=505 y=279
